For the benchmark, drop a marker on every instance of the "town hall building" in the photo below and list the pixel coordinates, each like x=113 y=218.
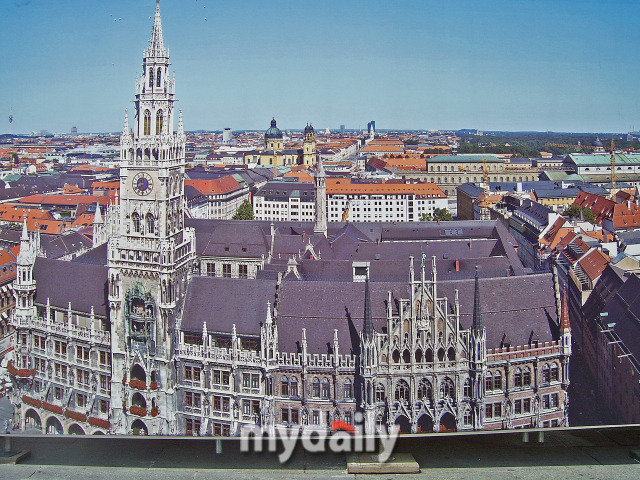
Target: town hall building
x=171 y=326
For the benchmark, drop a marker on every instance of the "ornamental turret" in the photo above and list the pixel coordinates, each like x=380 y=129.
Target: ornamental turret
x=24 y=286
x=320 y=226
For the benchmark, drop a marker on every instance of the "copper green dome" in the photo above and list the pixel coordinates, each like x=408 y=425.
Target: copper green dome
x=273 y=132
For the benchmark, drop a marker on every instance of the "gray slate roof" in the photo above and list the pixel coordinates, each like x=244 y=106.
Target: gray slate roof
x=84 y=284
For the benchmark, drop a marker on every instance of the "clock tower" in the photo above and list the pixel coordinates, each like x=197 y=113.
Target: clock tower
x=150 y=256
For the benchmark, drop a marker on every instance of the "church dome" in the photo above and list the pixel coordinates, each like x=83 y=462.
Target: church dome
x=598 y=143
x=273 y=132
x=308 y=129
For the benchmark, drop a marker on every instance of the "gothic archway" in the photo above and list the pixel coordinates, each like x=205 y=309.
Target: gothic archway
x=138 y=427
x=448 y=423
x=33 y=419
x=403 y=422
x=76 y=429
x=54 y=427
x=425 y=424
x=137 y=373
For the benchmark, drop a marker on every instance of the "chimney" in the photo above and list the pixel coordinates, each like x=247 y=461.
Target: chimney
x=457 y=265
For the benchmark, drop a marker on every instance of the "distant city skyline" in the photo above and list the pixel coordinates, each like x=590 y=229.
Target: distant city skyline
x=498 y=65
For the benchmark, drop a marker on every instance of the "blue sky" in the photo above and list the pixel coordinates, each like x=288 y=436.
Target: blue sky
x=492 y=65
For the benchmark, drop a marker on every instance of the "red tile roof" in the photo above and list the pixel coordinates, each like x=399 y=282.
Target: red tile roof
x=344 y=185
x=601 y=207
x=220 y=185
x=594 y=263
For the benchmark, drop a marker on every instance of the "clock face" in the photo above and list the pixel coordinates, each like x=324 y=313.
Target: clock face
x=142 y=183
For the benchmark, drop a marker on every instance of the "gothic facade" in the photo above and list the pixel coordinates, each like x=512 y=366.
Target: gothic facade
x=138 y=337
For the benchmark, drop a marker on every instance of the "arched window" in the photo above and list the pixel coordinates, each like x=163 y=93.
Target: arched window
x=466 y=391
x=326 y=388
x=517 y=378
x=441 y=354
x=497 y=381
x=424 y=390
x=395 y=356
x=402 y=391
x=315 y=387
x=451 y=354
x=488 y=382
x=284 y=386
x=545 y=373
x=380 y=396
x=151 y=77
x=150 y=224
x=348 y=390
x=554 y=372
x=293 y=387
x=147 y=122
x=447 y=389
x=135 y=219
x=428 y=356
x=158 y=78
x=406 y=356
x=418 y=355
x=526 y=376
x=159 y=118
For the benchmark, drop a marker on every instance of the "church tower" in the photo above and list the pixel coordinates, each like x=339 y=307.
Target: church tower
x=320 y=226
x=309 y=147
x=150 y=255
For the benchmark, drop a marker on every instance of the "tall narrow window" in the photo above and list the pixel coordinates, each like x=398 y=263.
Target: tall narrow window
x=159 y=118
x=135 y=218
x=147 y=122
x=402 y=391
x=158 y=78
x=151 y=77
x=150 y=224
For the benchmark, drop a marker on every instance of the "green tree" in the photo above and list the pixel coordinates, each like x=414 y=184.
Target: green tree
x=439 y=215
x=573 y=211
x=589 y=216
x=442 y=215
x=14 y=158
x=244 y=212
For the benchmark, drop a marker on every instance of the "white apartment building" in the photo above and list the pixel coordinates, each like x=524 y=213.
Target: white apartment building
x=366 y=202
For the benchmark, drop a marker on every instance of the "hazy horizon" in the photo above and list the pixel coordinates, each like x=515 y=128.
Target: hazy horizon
x=495 y=66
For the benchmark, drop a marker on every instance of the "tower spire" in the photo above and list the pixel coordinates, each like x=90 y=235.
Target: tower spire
x=368 y=320
x=564 y=317
x=477 y=311
x=25 y=232
x=156 y=43
x=97 y=218
x=321 y=200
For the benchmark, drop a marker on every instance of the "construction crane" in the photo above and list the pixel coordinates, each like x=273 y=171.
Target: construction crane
x=485 y=172
x=345 y=212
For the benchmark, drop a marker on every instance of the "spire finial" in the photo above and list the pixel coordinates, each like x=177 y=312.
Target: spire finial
x=564 y=317
x=180 y=125
x=368 y=320
x=156 y=44
x=477 y=310
x=97 y=218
